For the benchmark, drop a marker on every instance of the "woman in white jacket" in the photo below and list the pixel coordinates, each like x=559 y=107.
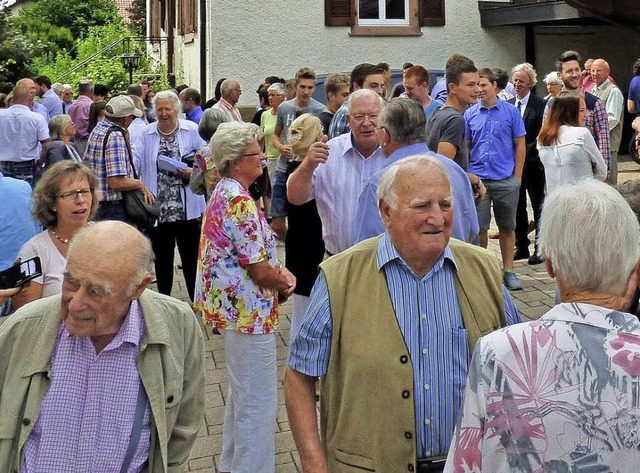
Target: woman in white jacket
x=163 y=155
x=567 y=149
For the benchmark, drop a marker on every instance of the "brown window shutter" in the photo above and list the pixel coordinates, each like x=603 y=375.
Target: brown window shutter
x=337 y=12
x=432 y=13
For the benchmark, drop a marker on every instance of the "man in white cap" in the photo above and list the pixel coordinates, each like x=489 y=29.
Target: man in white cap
x=108 y=153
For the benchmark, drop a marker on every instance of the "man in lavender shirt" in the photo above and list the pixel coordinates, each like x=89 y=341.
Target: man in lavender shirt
x=108 y=376
x=79 y=113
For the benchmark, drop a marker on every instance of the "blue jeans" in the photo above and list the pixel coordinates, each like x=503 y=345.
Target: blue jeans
x=279 y=195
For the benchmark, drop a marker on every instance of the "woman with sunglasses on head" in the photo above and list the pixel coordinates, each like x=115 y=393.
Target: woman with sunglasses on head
x=64 y=200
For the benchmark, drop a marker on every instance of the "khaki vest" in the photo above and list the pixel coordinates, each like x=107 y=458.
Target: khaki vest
x=615 y=134
x=367 y=415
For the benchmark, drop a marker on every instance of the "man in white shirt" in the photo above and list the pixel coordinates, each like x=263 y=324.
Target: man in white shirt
x=613 y=100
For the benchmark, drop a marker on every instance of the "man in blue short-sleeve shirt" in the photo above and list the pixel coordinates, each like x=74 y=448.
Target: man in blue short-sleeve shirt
x=496 y=133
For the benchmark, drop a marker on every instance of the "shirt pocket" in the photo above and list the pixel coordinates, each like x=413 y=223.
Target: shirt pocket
x=349 y=462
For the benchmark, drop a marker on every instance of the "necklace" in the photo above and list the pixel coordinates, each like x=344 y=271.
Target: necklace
x=63 y=240
x=170 y=133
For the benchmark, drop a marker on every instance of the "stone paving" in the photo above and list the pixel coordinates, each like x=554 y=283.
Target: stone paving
x=536 y=297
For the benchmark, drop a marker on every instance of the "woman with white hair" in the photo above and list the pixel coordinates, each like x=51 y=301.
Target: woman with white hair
x=163 y=155
x=554 y=84
x=239 y=284
x=561 y=393
x=268 y=125
x=62 y=130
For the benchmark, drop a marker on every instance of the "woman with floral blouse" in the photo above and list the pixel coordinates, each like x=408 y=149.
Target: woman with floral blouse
x=238 y=286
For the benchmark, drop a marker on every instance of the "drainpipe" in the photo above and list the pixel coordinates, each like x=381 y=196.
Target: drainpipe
x=203 y=50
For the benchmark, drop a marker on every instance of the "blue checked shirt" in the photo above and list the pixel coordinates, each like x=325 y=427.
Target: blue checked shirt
x=339 y=124
x=429 y=317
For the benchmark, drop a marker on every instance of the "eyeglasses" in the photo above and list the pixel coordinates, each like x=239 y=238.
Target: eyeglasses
x=253 y=155
x=373 y=118
x=73 y=195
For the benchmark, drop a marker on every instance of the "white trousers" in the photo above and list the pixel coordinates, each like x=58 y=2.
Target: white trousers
x=248 y=434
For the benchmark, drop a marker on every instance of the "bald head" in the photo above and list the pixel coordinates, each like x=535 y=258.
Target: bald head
x=109 y=244
x=31 y=86
x=600 y=71
x=21 y=94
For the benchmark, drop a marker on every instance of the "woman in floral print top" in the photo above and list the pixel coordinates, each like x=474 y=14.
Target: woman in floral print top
x=238 y=286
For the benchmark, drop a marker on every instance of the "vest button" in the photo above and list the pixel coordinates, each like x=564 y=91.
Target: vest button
x=26 y=421
x=404 y=359
x=406 y=394
x=410 y=467
x=408 y=435
x=169 y=399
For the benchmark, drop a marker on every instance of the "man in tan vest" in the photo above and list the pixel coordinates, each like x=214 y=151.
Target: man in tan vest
x=613 y=100
x=390 y=327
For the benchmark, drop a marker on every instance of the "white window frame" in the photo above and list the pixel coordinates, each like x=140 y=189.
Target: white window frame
x=383 y=21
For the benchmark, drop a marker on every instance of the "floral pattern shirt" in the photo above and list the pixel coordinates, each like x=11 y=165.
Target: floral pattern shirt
x=170 y=192
x=558 y=394
x=235 y=234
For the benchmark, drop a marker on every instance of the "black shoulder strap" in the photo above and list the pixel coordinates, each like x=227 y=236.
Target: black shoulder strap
x=104 y=147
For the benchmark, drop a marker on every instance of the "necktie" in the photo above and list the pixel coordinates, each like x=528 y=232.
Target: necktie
x=519 y=105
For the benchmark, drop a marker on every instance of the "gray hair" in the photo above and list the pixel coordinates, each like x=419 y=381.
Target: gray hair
x=405 y=120
x=591 y=237
x=553 y=78
x=85 y=86
x=528 y=68
x=387 y=183
x=630 y=190
x=227 y=85
x=169 y=95
x=57 y=87
x=209 y=122
x=230 y=142
x=67 y=87
x=362 y=94
x=278 y=88
x=57 y=125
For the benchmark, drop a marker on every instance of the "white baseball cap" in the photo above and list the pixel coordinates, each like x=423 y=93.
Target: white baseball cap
x=121 y=106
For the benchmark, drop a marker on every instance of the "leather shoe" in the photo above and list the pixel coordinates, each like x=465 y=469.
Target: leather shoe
x=535 y=259
x=521 y=254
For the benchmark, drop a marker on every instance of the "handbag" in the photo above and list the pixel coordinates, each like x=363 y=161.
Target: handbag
x=141 y=214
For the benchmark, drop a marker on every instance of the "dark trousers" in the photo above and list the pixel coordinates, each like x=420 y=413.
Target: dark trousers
x=533 y=184
x=23 y=170
x=186 y=233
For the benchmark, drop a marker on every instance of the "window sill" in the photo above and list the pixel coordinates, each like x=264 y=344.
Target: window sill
x=385 y=31
x=188 y=38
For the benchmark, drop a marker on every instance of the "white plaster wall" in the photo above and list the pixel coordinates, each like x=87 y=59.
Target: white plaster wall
x=249 y=41
x=187 y=60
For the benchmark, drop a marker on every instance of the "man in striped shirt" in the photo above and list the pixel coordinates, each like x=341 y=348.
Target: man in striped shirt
x=334 y=173
x=390 y=328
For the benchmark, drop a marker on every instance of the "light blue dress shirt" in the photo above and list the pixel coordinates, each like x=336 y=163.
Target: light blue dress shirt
x=465 y=216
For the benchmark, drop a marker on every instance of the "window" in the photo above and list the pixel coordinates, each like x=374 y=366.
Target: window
x=384 y=17
x=383 y=12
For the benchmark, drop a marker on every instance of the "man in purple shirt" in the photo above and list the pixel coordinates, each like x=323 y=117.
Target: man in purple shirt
x=79 y=113
x=106 y=377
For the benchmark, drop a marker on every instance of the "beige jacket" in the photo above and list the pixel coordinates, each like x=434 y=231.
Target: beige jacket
x=170 y=363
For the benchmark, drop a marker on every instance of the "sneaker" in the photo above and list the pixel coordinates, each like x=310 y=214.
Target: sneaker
x=535 y=259
x=511 y=281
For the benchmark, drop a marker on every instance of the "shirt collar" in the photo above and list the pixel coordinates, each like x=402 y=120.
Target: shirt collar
x=593 y=315
x=409 y=150
x=388 y=253
x=524 y=100
x=349 y=146
x=131 y=331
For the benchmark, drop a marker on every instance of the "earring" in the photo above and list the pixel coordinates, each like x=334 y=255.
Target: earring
x=54 y=209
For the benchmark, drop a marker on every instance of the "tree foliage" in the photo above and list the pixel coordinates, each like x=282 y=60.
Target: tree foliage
x=138 y=17
x=76 y=15
x=15 y=53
